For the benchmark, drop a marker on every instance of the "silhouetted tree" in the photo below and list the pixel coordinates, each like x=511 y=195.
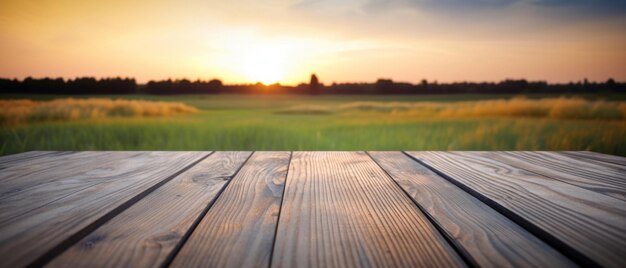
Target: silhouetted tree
x=610 y=82
x=383 y=86
x=314 y=85
x=612 y=86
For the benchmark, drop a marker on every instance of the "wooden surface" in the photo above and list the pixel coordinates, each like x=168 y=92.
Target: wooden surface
x=341 y=210
x=600 y=177
x=47 y=223
x=619 y=160
x=486 y=236
x=312 y=209
x=587 y=226
x=147 y=233
x=239 y=229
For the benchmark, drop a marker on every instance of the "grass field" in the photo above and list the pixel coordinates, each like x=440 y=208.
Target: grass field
x=247 y=122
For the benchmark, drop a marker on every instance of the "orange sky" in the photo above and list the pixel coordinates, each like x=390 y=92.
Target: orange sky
x=243 y=41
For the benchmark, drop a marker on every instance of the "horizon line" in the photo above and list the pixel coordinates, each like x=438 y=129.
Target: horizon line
x=278 y=83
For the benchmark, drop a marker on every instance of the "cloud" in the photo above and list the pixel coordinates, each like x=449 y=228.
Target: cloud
x=464 y=3
x=597 y=6
x=591 y=7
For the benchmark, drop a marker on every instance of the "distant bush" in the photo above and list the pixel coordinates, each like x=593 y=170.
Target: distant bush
x=559 y=108
x=26 y=111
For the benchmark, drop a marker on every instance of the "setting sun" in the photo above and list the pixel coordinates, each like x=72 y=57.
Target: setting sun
x=264 y=63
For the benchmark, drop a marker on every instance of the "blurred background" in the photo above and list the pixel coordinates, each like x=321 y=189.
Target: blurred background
x=313 y=75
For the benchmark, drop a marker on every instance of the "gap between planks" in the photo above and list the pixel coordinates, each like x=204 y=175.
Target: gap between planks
x=465 y=220
x=573 y=213
x=341 y=210
x=48 y=230
x=150 y=232
x=240 y=228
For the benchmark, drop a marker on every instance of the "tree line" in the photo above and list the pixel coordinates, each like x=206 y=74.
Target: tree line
x=117 y=85
x=82 y=85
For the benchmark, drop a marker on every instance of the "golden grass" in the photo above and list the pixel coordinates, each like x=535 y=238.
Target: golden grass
x=557 y=108
x=26 y=111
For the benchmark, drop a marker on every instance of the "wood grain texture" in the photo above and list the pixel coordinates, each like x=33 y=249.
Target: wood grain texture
x=486 y=236
x=603 y=178
x=54 y=176
x=22 y=157
x=587 y=226
x=607 y=158
x=36 y=235
x=147 y=233
x=239 y=229
x=341 y=210
x=23 y=164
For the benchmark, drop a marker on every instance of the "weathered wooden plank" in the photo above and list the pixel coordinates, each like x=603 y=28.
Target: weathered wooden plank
x=147 y=233
x=21 y=169
x=239 y=229
x=341 y=210
x=587 y=226
x=37 y=235
x=614 y=159
x=486 y=236
x=21 y=157
x=611 y=169
x=598 y=177
x=51 y=177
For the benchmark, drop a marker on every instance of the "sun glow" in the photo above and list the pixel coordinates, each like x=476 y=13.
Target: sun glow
x=264 y=63
x=249 y=57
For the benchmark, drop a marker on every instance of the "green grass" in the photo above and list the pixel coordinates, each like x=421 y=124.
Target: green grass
x=245 y=122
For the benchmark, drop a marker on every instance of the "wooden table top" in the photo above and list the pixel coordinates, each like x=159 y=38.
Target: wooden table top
x=312 y=209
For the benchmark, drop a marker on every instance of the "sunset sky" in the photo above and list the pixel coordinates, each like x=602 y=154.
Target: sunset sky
x=343 y=41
